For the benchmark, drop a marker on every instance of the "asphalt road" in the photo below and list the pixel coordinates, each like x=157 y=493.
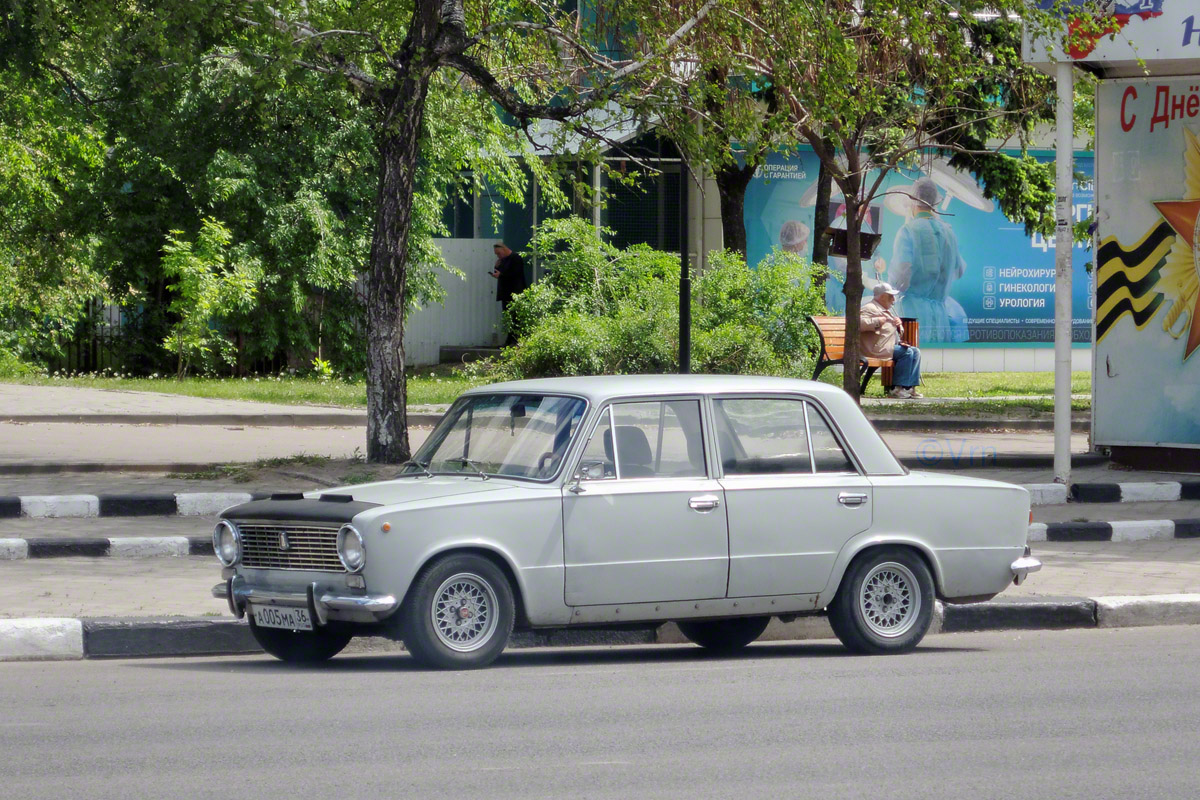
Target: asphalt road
x=1081 y=714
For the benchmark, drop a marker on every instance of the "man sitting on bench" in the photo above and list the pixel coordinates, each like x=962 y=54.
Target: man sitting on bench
x=879 y=337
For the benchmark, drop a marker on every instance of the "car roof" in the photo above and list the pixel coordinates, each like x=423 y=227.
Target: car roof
x=598 y=388
x=872 y=452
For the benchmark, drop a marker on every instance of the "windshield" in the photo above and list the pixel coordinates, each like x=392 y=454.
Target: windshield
x=514 y=435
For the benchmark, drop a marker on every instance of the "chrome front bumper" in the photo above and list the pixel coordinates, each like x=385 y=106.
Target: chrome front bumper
x=318 y=601
x=1023 y=566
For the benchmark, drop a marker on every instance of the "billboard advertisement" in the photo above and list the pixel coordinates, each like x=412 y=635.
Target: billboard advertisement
x=1147 y=373
x=1129 y=34
x=971 y=276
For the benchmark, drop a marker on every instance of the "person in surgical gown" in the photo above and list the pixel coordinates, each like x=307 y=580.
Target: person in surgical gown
x=925 y=261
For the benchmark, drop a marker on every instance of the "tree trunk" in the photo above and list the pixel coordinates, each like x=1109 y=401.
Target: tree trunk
x=732 y=181
x=853 y=286
x=399 y=147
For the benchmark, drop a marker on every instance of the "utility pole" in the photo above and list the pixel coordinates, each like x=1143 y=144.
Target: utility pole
x=1064 y=244
x=685 y=274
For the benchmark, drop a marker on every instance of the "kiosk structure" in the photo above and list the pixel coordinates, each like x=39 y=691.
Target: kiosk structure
x=1146 y=322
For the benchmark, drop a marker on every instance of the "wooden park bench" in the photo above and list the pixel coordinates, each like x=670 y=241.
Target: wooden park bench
x=832 y=331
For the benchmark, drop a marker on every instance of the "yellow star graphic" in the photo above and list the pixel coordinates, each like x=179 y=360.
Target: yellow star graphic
x=1182 y=216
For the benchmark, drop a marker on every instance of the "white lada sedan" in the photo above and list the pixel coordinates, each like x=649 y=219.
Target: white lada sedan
x=714 y=501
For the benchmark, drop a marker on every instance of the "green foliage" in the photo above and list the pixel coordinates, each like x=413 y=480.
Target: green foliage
x=212 y=283
x=756 y=320
x=602 y=310
x=48 y=150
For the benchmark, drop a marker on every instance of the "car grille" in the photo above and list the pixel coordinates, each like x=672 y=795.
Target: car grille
x=311 y=546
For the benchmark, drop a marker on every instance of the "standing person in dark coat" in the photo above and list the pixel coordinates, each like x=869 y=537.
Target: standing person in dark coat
x=509 y=271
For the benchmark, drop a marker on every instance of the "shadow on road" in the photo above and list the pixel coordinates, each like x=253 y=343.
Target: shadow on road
x=544 y=657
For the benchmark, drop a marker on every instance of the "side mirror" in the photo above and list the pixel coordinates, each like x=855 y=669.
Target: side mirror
x=588 y=471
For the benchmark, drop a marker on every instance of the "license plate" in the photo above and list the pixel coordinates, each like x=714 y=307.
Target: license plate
x=287 y=617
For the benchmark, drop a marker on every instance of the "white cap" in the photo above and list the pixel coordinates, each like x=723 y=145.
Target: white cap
x=885 y=288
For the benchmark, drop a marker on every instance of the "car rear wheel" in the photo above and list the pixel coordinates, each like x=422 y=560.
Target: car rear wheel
x=885 y=602
x=299 y=647
x=724 y=635
x=459 y=613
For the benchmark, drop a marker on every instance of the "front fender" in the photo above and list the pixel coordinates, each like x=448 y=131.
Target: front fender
x=524 y=532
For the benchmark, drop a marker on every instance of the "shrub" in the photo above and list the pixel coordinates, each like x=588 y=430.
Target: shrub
x=569 y=343
x=600 y=309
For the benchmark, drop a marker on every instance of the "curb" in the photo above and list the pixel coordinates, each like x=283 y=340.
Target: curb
x=1055 y=494
x=201 y=504
x=59 y=639
x=114 y=547
x=1135 y=492
x=183 y=504
x=1116 y=531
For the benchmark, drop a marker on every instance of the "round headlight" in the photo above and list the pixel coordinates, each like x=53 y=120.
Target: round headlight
x=350 y=548
x=227 y=544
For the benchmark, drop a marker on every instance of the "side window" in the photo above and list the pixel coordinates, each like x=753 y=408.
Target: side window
x=829 y=455
x=597 y=452
x=761 y=436
x=656 y=440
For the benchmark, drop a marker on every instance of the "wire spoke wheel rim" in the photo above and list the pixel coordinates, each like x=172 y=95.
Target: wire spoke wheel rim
x=464 y=612
x=889 y=600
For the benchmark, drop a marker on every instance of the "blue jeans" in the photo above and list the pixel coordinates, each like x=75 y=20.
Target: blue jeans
x=906 y=366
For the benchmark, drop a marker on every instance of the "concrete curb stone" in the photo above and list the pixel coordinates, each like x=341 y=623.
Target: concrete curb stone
x=1159 y=609
x=184 y=504
x=100 y=547
x=1046 y=494
x=1139 y=530
x=12 y=549
x=41 y=639
x=1023 y=615
x=112 y=637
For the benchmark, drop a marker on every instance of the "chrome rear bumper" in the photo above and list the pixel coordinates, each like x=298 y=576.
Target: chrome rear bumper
x=318 y=601
x=1023 y=566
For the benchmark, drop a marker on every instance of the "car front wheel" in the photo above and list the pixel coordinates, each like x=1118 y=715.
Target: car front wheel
x=724 y=635
x=885 y=602
x=299 y=647
x=459 y=613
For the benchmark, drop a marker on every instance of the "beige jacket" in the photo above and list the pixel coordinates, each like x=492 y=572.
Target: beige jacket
x=878 y=331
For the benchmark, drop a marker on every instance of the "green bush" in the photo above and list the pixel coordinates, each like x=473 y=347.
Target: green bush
x=600 y=310
x=11 y=366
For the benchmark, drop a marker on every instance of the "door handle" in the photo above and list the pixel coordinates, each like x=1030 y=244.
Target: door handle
x=852 y=498
x=704 y=502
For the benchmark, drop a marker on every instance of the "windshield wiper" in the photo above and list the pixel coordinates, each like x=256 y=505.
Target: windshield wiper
x=418 y=465
x=469 y=463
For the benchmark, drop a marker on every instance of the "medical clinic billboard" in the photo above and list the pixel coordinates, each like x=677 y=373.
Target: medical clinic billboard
x=998 y=291
x=1147 y=371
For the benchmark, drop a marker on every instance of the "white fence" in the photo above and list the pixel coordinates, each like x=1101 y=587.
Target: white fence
x=470 y=315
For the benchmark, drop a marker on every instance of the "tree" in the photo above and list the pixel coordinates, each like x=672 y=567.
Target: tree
x=401 y=59
x=871 y=85
x=716 y=110
x=48 y=151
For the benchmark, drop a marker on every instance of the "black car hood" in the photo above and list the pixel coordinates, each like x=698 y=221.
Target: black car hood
x=296 y=508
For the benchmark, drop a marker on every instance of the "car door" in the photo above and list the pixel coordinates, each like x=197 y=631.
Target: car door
x=793 y=493
x=648 y=525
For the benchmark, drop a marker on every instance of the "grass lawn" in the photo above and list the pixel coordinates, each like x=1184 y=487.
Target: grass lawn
x=441 y=384
x=426 y=385
x=991 y=384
